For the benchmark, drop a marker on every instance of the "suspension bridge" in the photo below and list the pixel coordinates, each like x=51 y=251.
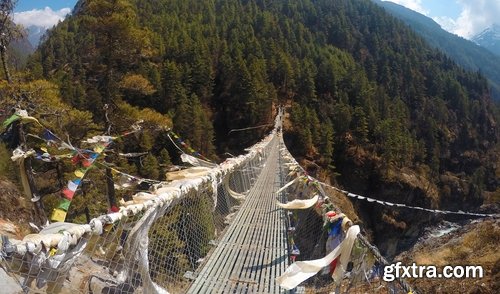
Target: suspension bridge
x=253 y=251
x=230 y=228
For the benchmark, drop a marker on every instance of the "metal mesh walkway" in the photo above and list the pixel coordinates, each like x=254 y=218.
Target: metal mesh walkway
x=253 y=252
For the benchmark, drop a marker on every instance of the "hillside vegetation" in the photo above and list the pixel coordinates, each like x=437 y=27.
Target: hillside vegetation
x=464 y=52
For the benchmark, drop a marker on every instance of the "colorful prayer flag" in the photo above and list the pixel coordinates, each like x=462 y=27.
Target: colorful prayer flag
x=10 y=120
x=73 y=185
x=64 y=204
x=99 y=148
x=49 y=136
x=87 y=162
x=58 y=215
x=68 y=194
x=79 y=173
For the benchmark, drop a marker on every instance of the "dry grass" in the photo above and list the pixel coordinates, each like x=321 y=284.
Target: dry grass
x=15 y=209
x=343 y=203
x=475 y=244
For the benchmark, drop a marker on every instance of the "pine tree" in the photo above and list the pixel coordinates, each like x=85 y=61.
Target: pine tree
x=173 y=91
x=164 y=158
x=149 y=168
x=119 y=43
x=360 y=125
x=326 y=143
x=167 y=248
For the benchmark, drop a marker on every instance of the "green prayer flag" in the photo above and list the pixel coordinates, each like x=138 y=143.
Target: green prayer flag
x=10 y=120
x=64 y=204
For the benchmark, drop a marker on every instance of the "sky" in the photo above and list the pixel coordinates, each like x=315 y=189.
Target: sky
x=44 y=13
x=465 y=18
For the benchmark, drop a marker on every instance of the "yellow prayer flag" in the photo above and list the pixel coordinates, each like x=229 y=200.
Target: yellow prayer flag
x=52 y=251
x=58 y=215
x=30 y=119
x=99 y=148
x=79 y=173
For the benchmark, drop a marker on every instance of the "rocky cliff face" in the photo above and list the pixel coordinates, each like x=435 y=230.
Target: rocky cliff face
x=396 y=229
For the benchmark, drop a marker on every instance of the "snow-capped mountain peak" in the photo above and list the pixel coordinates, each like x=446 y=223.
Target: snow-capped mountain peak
x=35 y=33
x=489 y=38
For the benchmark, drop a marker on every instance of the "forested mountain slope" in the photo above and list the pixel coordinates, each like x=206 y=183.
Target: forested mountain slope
x=368 y=98
x=464 y=52
x=17 y=51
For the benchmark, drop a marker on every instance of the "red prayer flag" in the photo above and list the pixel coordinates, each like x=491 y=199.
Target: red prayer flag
x=75 y=159
x=333 y=265
x=87 y=163
x=68 y=194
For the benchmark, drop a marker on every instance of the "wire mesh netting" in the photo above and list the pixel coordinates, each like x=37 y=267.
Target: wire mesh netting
x=312 y=235
x=154 y=244
x=219 y=224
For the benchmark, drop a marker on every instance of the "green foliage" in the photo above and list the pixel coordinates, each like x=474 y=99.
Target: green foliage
x=301 y=122
x=180 y=238
x=326 y=144
x=359 y=125
x=54 y=113
x=92 y=195
x=165 y=162
x=150 y=168
x=464 y=52
x=166 y=248
x=135 y=84
x=353 y=75
x=199 y=225
x=164 y=158
x=398 y=145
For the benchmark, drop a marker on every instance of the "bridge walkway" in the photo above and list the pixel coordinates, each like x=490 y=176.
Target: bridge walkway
x=254 y=249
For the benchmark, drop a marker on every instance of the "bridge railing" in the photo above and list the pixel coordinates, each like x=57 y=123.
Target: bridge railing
x=156 y=242
x=312 y=236
x=152 y=245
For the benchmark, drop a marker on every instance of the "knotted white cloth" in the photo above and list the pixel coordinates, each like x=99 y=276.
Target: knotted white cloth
x=300 y=271
x=299 y=204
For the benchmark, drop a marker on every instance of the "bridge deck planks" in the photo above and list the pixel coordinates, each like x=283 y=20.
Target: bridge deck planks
x=253 y=251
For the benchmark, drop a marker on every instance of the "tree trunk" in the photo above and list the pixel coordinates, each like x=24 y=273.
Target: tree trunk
x=110 y=183
x=3 y=56
x=39 y=216
x=110 y=186
x=39 y=212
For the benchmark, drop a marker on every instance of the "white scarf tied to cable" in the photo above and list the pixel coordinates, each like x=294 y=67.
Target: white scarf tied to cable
x=288 y=185
x=299 y=204
x=302 y=270
x=232 y=193
x=194 y=161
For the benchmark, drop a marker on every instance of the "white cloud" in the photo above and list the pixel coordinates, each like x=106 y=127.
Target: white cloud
x=41 y=17
x=475 y=17
x=415 y=5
